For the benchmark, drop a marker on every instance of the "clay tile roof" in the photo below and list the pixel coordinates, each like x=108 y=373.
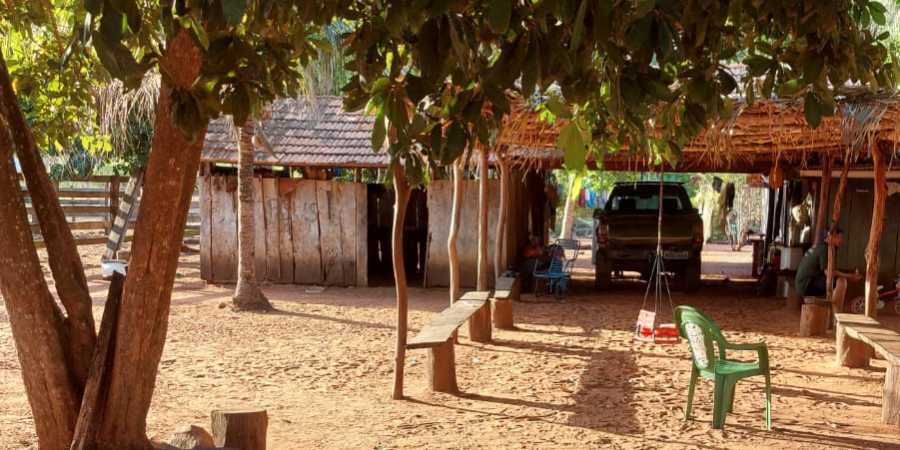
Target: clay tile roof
x=316 y=132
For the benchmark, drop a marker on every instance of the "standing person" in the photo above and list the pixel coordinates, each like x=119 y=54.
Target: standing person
x=731 y=220
x=811 y=276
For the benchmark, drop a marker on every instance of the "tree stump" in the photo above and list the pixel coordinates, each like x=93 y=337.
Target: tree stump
x=813 y=319
x=192 y=437
x=890 y=409
x=503 y=314
x=850 y=352
x=442 y=368
x=793 y=301
x=245 y=430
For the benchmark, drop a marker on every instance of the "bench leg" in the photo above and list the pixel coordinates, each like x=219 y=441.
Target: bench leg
x=503 y=314
x=890 y=409
x=480 y=324
x=442 y=368
x=851 y=352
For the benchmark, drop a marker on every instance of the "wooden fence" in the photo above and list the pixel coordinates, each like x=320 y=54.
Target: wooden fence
x=90 y=205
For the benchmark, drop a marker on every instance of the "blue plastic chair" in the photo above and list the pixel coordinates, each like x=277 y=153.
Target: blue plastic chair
x=556 y=276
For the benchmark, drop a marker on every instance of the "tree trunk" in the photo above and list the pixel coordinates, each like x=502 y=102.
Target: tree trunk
x=453 y=235
x=832 y=251
x=821 y=210
x=872 y=254
x=95 y=391
x=401 y=198
x=480 y=322
x=247 y=294
x=502 y=214
x=37 y=324
x=168 y=185
x=568 y=219
x=65 y=263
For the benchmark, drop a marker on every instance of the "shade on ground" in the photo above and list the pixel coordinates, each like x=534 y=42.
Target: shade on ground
x=571 y=377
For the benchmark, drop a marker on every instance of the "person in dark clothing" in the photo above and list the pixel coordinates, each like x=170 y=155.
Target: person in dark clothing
x=531 y=259
x=811 y=277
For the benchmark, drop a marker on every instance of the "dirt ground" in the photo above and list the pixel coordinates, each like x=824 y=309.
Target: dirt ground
x=570 y=376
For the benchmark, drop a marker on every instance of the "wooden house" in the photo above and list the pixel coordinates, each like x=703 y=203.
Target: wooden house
x=322 y=214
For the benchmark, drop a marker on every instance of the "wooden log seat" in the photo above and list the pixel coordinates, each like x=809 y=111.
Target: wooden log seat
x=857 y=339
x=814 y=317
x=437 y=337
x=506 y=289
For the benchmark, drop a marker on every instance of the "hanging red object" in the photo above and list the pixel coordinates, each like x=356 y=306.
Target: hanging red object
x=646 y=328
x=666 y=333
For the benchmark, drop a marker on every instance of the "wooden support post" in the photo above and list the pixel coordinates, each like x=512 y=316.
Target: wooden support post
x=872 y=256
x=245 y=430
x=502 y=218
x=850 y=352
x=832 y=251
x=480 y=322
x=442 y=368
x=503 y=314
x=401 y=198
x=890 y=408
x=824 y=193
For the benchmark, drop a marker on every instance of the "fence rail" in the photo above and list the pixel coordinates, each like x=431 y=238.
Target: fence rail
x=90 y=205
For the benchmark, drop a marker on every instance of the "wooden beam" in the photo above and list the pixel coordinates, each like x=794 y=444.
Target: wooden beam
x=821 y=209
x=872 y=254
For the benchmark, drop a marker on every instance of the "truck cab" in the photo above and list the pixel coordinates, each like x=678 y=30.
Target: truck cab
x=625 y=233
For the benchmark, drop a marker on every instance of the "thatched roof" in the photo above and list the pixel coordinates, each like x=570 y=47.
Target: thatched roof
x=752 y=141
x=303 y=133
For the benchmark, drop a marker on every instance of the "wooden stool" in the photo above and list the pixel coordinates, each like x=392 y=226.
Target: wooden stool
x=814 y=317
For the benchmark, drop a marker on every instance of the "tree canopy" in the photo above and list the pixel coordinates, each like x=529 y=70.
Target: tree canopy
x=646 y=74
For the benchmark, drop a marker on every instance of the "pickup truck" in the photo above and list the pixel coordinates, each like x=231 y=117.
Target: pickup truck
x=625 y=233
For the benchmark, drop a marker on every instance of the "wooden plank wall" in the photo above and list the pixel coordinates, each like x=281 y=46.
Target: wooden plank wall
x=308 y=231
x=440 y=195
x=856 y=219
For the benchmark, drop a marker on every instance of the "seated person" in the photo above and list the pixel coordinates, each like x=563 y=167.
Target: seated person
x=532 y=256
x=811 y=274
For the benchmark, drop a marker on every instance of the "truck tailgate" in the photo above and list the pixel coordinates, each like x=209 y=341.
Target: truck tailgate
x=629 y=230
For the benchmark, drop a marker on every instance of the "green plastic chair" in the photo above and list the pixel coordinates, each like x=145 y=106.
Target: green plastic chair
x=701 y=333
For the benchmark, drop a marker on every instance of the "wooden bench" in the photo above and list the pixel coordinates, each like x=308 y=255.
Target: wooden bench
x=857 y=339
x=438 y=335
x=506 y=289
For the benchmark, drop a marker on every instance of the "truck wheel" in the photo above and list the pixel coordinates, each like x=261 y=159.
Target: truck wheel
x=690 y=275
x=602 y=273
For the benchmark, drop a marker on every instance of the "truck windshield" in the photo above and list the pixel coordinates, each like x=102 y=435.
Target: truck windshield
x=644 y=201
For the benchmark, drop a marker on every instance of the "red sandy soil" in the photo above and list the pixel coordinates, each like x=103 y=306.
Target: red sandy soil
x=571 y=376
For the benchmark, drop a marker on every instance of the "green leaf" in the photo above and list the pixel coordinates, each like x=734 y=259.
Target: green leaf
x=558 y=107
x=812 y=109
x=379 y=132
x=498 y=15
x=812 y=68
x=233 y=10
x=240 y=105
x=570 y=141
x=757 y=65
x=456 y=143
